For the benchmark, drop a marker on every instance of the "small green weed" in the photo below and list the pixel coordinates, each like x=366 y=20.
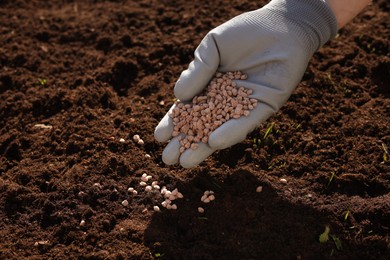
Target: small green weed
x=324 y=237
x=385 y=152
x=158 y=255
x=346 y=215
x=337 y=242
x=42 y=82
x=257 y=142
x=330 y=179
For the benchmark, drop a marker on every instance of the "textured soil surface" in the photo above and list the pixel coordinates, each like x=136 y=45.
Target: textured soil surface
x=77 y=76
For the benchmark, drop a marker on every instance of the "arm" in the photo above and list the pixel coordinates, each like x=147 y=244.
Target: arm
x=346 y=10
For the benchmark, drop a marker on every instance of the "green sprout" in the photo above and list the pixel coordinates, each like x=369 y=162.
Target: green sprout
x=256 y=143
x=385 y=152
x=337 y=242
x=158 y=255
x=269 y=130
x=275 y=165
x=324 y=237
x=299 y=125
x=346 y=215
x=330 y=179
x=42 y=82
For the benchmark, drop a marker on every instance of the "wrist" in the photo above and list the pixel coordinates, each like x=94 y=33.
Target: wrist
x=312 y=20
x=346 y=10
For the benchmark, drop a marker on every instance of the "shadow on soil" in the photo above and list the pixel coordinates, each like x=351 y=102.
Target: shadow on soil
x=239 y=224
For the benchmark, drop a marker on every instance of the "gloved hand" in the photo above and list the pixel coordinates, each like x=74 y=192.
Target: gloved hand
x=272 y=46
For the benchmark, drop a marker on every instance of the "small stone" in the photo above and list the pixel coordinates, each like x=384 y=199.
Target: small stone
x=206 y=200
x=125 y=203
x=283 y=180
x=259 y=189
x=136 y=138
x=144 y=177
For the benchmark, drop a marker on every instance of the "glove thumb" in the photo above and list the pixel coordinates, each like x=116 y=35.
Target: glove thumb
x=200 y=71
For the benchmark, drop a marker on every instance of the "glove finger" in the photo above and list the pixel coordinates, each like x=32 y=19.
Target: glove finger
x=171 y=152
x=200 y=71
x=191 y=158
x=236 y=130
x=164 y=129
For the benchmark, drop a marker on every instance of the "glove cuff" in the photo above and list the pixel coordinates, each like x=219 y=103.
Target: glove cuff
x=314 y=20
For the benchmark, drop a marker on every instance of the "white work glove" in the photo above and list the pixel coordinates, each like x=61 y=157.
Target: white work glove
x=272 y=46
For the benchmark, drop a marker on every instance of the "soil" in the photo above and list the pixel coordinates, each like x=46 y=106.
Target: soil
x=77 y=76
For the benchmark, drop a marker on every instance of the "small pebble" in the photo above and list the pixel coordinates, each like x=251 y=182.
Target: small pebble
x=141 y=142
x=125 y=203
x=259 y=189
x=142 y=183
x=144 y=177
x=283 y=181
x=136 y=138
x=43 y=126
x=156 y=208
x=201 y=210
x=131 y=189
x=148 y=188
x=208 y=196
x=148 y=156
x=82 y=223
x=122 y=140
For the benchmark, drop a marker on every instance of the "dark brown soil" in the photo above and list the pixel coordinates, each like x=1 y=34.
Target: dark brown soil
x=97 y=71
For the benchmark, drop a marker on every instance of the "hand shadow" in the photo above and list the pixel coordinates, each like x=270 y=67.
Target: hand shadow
x=239 y=224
